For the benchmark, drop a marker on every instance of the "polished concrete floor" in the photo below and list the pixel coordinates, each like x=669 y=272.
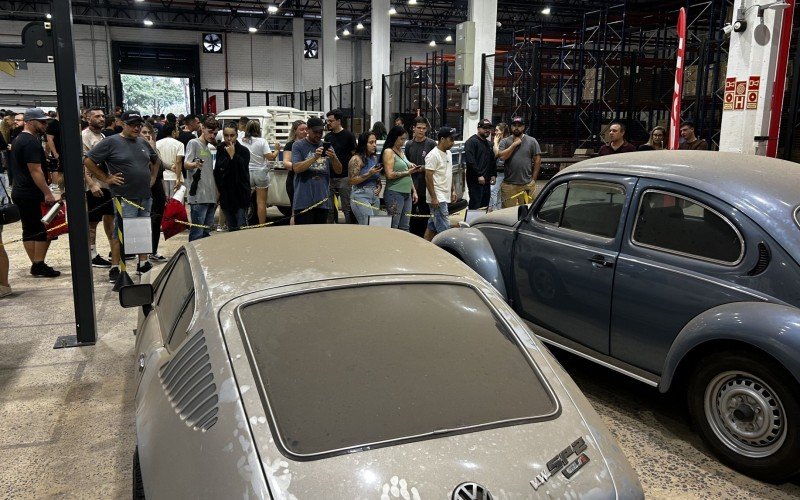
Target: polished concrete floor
x=66 y=416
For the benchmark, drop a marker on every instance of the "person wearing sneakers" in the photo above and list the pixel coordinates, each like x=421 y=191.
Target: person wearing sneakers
x=31 y=189
x=133 y=169
x=98 y=196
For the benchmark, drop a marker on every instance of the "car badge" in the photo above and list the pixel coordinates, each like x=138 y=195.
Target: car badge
x=471 y=491
x=561 y=461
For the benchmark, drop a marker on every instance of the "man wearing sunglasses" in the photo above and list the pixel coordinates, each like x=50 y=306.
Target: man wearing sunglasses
x=132 y=170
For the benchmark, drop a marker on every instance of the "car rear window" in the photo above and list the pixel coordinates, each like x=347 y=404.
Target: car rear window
x=364 y=366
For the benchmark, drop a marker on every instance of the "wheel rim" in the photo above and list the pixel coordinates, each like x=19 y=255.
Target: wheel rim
x=745 y=414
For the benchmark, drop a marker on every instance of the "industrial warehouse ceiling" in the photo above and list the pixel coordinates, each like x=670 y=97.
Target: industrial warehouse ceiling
x=414 y=22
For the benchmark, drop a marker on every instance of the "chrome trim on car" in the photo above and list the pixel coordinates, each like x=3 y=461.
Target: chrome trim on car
x=701 y=277
x=570 y=346
x=320 y=286
x=683 y=254
x=797 y=215
x=604 y=239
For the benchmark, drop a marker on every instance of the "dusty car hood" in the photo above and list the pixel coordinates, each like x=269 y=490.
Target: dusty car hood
x=505 y=217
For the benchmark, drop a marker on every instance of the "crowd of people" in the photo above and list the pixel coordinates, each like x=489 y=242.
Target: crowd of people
x=133 y=163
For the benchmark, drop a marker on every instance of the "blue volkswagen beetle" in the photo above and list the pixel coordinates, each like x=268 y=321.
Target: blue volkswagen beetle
x=680 y=269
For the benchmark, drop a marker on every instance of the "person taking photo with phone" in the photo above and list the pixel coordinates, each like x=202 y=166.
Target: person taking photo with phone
x=400 y=192
x=199 y=167
x=365 y=179
x=312 y=165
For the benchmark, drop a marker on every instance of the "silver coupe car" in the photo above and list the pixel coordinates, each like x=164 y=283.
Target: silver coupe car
x=347 y=362
x=680 y=269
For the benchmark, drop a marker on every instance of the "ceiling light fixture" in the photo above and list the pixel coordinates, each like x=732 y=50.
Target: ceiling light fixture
x=336 y=37
x=412 y=2
x=147 y=22
x=392 y=11
x=48 y=16
x=359 y=26
x=346 y=32
x=448 y=38
x=433 y=43
x=251 y=29
x=272 y=9
x=546 y=11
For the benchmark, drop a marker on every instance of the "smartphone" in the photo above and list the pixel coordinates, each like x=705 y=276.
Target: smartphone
x=325 y=147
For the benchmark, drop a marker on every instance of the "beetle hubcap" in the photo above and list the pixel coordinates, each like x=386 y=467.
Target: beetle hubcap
x=745 y=414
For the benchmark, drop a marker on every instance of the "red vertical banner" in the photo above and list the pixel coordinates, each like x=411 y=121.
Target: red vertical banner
x=784 y=45
x=674 y=129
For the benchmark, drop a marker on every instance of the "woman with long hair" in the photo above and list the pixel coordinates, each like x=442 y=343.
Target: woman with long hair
x=501 y=131
x=298 y=132
x=658 y=140
x=365 y=178
x=158 y=194
x=260 y=170
x=400 y=192
x=379 y=129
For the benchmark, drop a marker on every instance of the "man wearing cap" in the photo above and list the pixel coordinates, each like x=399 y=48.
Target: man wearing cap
x=481 y=165
x=439 y=181
x=522 y=159
x=132 y=171
x=312 y=166
x=31 y=188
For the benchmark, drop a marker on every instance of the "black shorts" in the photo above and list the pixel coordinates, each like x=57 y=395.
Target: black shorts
x=99 y=206
x=30 y=211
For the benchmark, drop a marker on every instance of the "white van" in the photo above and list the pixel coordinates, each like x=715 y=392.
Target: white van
x=276 y=122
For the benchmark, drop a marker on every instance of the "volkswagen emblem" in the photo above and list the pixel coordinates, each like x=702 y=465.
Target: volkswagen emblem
x=471 y=491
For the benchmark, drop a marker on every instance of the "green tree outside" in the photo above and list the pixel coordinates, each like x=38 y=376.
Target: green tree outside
x=151 y=94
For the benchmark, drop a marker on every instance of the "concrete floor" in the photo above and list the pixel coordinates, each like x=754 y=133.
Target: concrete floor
x=66 y=416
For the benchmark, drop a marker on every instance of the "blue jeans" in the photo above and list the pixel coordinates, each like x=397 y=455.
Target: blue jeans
x=203 y=214
x=494 y=201
x=398 y=205
x=236 y=218
x=440 y=221
x=129 y=211
x=365 y=195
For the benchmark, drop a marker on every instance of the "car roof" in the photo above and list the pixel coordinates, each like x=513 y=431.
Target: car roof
x=767 y=190
x=254 y=111
x=234 y=264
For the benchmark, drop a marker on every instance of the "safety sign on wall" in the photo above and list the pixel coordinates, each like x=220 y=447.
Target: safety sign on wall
x=730 y=87
x=739 y=96
x=753 y=86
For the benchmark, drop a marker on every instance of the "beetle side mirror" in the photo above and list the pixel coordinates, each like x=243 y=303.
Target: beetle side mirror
x=136 y=295
x=523 y=211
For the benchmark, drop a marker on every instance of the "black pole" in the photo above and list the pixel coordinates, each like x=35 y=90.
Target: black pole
x=67 y=88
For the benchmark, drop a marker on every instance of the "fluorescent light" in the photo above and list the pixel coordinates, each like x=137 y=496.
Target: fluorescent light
x=48 y=16
x=346 y=32
x=272 y=9
x=359 y=26
x=433 y=43
x=336 y=37
x=252 y=29
x=412 y=2
x=448 y=38
x=546 y=11
x=392 y=11
x=147 y=22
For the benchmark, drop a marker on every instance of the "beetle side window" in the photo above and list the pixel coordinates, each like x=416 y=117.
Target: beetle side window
x=552 y=208
x=178 y=287
x=677 y=224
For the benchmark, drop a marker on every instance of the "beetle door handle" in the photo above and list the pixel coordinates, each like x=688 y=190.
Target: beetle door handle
x=600 y=261
x=141 y=361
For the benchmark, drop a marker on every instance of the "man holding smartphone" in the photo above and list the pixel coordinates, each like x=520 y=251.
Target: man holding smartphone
x=200 y=177
x=312 y=164
x=343 y=143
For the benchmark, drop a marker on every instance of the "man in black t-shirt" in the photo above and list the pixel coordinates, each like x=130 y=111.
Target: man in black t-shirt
x=31 y=189
x=416 y=149
x=343 y=143
x=191 y=126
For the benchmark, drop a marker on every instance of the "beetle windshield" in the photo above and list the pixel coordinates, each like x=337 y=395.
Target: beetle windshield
x=352 y=367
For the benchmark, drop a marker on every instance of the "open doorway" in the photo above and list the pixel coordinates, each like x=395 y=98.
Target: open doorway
x=156 y=95
x=166 y=67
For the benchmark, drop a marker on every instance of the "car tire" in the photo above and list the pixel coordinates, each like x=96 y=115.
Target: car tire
x=748 y=413
x=138 y=485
